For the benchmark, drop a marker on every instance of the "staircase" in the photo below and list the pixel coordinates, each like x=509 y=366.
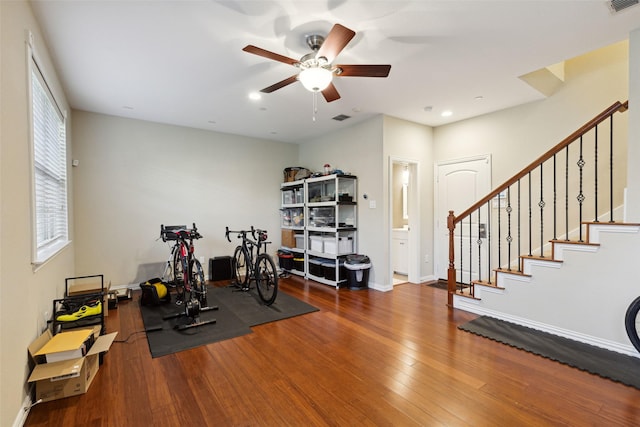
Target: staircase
x=549 y=248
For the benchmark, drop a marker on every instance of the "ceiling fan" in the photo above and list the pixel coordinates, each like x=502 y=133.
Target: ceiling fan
x=316 y=68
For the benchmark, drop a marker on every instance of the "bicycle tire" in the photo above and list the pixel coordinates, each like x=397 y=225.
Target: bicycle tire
x=266 y=278
x=632 y=323
x=241 y=266
x=179 y=274
x=198 y=285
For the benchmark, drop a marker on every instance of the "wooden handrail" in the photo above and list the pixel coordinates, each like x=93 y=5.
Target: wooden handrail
x=618 y=106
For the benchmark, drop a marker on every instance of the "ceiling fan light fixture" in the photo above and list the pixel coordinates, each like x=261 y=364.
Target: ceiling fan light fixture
x=315 y=79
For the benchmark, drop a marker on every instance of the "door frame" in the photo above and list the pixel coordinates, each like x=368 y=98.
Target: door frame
x=413 y=233
x=438 y=241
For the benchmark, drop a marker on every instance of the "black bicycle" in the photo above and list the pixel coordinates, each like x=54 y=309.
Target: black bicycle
x=252 y=262
x=184 y=272
x=632 y=323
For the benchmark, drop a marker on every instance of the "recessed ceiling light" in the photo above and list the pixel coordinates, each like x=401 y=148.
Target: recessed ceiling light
x=255 y=96
x=213 y=122
x=127 y=107
x=428 y=108
x=479 y=98
x=446 y=113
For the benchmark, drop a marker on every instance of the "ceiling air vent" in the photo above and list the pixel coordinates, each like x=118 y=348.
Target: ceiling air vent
x=618 y=5
x=341 y=117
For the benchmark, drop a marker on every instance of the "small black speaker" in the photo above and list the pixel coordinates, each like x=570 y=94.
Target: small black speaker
x=221 y=268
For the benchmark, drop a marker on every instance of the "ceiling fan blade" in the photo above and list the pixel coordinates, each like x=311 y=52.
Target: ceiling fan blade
x=335 y=41
x=363 y=70
x=330 y=93
x=280 y=84
x=269 y=55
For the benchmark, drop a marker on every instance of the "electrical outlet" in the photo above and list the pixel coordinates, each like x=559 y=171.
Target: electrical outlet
x=426 y=258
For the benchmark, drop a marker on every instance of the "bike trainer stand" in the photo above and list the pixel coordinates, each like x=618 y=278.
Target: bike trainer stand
x=192 y=310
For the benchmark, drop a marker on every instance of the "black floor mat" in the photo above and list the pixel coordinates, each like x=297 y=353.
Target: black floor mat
x=237 y=312
x=607 y=364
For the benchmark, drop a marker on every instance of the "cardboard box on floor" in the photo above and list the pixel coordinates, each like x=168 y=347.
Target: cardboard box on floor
x=67 y=377
x=89 y=285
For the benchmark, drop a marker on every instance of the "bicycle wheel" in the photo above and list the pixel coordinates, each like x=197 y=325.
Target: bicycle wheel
x=266 y=279
x=632 y=323
x=241 y=265
x=179 y=274
x=198 y=286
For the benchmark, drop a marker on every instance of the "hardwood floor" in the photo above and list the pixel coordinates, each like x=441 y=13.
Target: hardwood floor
x=366 y=358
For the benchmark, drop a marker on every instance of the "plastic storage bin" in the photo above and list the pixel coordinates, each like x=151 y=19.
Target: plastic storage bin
x=300 y=241
x=298 y=264
x=357 y=268
x=315 y=268
x=330 y=270
x=286 y=260
x=316 y=243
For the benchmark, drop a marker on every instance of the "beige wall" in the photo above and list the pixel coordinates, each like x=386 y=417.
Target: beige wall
x=134 y=175
x=25 y=294
x=413 y=142
x=516 y=136
x=358 y=150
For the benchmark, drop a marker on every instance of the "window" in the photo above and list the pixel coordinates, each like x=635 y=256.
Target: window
x=50 y=219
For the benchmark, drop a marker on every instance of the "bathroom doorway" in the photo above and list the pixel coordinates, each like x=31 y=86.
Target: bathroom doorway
x=404 y=220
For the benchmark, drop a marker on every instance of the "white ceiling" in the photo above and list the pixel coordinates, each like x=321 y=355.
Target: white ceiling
x=181 y=62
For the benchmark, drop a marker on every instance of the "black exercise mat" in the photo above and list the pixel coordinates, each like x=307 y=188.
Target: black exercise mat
x=607 y=364
x=248 y=307
x=169 y=340
x=237 y=312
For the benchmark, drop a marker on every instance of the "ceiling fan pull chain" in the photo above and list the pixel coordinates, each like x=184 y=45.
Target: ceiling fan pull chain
x=315 y=105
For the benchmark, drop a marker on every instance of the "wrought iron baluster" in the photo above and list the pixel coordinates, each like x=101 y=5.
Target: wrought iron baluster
x=509 y=238
x=479 y=243
x=566 y=194
x=530 y=216
x=487 y=229
x=595 y=174
x=611 y=168
x=555 y=197
x=461 y=258
x=499 y=196
x=580 y=197
x=519 y=227
x=541 y=203
x=470 y=249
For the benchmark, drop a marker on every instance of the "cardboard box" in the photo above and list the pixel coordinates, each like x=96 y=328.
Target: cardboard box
x=70 y=377
x=288 y=239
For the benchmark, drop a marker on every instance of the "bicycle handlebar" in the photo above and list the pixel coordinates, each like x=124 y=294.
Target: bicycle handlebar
x=262 y=234
x=179 y=231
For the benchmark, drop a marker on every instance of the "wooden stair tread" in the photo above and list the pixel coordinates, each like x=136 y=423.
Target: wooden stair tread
x=540 y=258
x=573 y=242
x=516 y=272
x=630 y=224
x=487 y=284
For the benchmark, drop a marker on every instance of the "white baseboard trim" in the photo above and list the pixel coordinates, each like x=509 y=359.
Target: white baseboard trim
x=23 y=413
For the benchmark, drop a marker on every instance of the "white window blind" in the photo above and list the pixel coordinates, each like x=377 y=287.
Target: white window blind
x=49 y=171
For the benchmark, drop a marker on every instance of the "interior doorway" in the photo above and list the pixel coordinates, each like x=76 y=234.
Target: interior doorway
x=404 y=220
x=459 y=184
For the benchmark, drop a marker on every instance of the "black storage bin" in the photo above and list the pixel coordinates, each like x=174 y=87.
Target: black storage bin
x=221 y=268
x=357 y=268
x=330 y=270
x=286 y=260
x=298 y=264
x=315 y=268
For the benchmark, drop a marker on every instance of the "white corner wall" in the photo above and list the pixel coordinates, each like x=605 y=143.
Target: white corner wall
x=134 y=175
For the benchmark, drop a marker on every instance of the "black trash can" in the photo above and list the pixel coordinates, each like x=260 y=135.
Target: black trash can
x=357 y=268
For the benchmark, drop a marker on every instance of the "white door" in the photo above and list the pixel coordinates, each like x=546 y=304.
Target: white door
x=459 y=184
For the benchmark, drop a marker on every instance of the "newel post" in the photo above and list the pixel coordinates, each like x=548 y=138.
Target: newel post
x=451 y=272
